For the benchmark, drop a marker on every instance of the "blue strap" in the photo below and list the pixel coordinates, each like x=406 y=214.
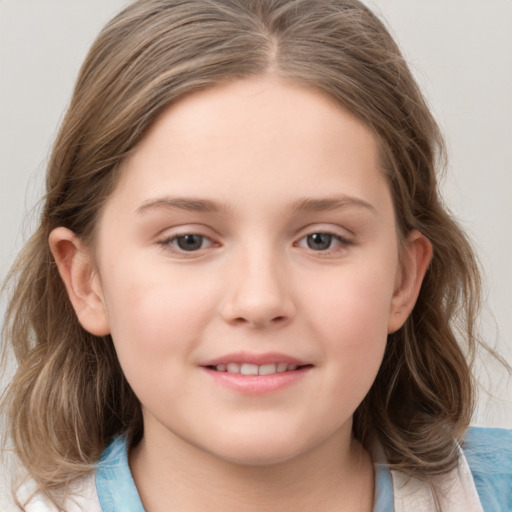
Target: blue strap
x=383 y=501
x=114 y=482
x=489 y=455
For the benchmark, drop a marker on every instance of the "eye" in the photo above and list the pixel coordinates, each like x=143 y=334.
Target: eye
x=189 y=242
x=323 y=241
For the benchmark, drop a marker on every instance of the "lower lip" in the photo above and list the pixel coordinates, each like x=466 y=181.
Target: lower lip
x=258 y=384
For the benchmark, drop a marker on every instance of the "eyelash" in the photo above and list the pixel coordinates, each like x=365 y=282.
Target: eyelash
x=168 y=243
x=342 y=243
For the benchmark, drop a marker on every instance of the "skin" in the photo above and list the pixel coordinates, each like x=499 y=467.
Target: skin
x=255 y=148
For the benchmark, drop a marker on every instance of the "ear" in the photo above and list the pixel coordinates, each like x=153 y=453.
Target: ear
x=416 y=256
x=77 y=270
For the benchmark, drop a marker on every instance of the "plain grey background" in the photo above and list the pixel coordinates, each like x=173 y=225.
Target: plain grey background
x=459 y=50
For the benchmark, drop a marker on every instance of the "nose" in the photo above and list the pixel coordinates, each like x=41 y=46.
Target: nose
x=259 y=293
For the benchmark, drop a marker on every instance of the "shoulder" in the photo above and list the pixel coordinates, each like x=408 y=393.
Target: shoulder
x=488 y=452
x=82 y=497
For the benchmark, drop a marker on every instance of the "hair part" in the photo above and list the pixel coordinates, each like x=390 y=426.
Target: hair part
x=150 y=56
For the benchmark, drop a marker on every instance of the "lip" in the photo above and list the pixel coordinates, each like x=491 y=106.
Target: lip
x=257 y=384
x=255 y=358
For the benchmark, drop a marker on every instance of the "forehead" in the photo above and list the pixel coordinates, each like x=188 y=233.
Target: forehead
x=255 y=139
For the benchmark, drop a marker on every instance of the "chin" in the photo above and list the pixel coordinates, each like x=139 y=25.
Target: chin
x=259 y=458
x=258 y=452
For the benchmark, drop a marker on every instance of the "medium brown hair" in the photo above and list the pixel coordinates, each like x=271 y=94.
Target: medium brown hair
x=69 y=397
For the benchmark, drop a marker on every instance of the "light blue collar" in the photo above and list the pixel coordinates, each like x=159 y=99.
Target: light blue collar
x=117 y=491
x=114 y=481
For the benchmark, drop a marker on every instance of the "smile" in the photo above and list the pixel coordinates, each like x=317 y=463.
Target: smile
x=255 y=369
x=257 y=374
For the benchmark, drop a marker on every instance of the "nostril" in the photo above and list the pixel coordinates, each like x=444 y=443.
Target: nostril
x=276 y=320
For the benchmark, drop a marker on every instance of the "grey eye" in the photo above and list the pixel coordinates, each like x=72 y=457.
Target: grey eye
x=189 y=242
x=319 y=241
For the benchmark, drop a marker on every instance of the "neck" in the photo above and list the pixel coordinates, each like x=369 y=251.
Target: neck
x=336 y=476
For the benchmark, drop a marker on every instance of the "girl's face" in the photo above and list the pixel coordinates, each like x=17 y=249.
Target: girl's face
x=252 y=231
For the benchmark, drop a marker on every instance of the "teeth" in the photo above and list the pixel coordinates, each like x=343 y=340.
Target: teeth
x=249 y=369
x=233 y=368
x=254 y=369
x=267 y=369
x=282 y=367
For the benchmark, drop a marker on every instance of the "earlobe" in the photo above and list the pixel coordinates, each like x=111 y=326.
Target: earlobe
x=76 y=268
x=416 y=257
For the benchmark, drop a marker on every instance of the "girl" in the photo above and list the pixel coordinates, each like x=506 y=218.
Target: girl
x=244 y=292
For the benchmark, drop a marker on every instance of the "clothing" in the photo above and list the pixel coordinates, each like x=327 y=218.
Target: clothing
x=482 y=482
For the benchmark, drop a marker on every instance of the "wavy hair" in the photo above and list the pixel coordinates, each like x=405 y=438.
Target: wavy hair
x=69 y=397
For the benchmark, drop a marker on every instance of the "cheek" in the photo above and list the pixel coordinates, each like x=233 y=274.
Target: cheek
x=351 y=317
x=151 y=316
x=354 y=302
x=356 y=326
x=155 y=327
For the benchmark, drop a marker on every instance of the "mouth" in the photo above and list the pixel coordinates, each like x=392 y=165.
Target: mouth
x=257 y=374
x=256 y=369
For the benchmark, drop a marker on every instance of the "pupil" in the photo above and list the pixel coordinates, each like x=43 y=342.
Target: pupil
x=319 y=241
x=190 y=242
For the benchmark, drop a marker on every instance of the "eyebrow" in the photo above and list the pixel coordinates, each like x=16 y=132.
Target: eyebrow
x=330 y=203
x=300 y=205
x=181 y=203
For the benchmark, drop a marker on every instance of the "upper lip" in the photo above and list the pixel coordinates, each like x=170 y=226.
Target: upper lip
x=255 y=358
